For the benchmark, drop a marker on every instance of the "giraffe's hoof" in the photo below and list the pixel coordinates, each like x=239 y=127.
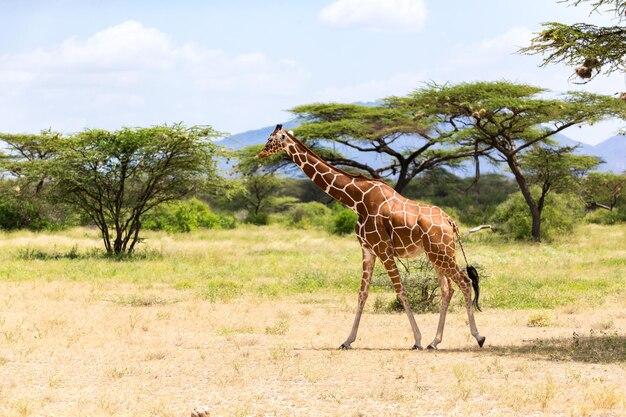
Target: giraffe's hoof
x=345 y=346
x=431 y=347
x=481 y=341
x=417 y=347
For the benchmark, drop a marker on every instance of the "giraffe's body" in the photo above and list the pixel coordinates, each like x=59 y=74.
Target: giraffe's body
x=389 y=226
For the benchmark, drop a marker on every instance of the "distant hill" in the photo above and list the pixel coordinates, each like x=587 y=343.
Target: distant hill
x=253 y=137
x=611 y=150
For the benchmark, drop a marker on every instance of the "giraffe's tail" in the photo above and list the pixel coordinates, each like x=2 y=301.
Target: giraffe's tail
x=472 y=273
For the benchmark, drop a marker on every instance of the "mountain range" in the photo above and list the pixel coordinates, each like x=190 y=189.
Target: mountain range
x=612 y=150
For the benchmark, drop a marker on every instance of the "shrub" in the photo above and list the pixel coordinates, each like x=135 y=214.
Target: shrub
x=421 y=284
x=23 y=208
x=16 y=214
x=344 y=221
x=309 y=215
x=185 y=216
x=560 y=214
x=260 y=219
x=601 y=216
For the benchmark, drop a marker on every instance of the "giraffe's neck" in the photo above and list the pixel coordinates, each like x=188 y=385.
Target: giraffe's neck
x=336 y=183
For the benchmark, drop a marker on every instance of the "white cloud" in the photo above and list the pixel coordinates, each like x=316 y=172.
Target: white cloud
x=134 y=75
x=377 y=15
x=398 y=84
x=508 y=42
x=492 y=49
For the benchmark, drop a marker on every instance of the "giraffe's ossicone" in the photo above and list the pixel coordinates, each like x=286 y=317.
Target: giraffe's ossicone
x=389 y=226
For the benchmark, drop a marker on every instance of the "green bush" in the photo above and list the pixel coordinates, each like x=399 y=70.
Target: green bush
x=308 y=215
x=185 y=216
x=560 y=214
x=602 y=216
x=259 y=219
x=344 y=221
x=16 y=214
x=421 y=284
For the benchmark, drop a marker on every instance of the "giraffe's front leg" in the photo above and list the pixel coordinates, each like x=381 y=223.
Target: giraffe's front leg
x=369 y=259
x=396 y=280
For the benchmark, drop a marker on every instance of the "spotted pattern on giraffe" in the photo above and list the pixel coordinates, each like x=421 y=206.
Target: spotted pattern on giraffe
x=389 y=226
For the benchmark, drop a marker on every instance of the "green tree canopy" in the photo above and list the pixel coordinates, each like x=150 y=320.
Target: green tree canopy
x=408 y=145
x=555 y=169
x=509 y=119
x=603 y=190
x=116 y=177
x=591 y=49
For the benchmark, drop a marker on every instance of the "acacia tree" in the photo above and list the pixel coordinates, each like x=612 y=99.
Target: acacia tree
x=29 y=149
x=591 y=49
x=259 y=184
x=510 y=119
x=24 y=160
x=603 y=190
x=116 y=177
x=555 y=169
x=408 y=145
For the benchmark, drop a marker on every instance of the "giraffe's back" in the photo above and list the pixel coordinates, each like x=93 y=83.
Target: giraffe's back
x=414 y=227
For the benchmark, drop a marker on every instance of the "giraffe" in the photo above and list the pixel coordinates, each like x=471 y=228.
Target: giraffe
x=389 y=226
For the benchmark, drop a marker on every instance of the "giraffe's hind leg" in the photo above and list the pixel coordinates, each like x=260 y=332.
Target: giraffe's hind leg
x=445 y=283
x=465 y=283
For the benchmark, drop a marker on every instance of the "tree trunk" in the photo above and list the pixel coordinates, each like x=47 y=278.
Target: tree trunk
x=403 y=179
x=535 y=210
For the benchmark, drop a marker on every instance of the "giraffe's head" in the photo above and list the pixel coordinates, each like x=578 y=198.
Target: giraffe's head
x=275 y=143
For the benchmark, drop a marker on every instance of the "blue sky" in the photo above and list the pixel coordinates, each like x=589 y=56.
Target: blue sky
x=239 y=65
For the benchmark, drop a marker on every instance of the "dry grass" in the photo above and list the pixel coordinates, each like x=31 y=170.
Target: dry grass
x=152 y=338
x=76 y=355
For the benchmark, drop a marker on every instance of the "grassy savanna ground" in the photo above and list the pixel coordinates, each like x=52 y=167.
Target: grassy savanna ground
x=247 y=322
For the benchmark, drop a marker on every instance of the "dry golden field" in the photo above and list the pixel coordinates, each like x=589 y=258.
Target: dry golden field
x=247 y=323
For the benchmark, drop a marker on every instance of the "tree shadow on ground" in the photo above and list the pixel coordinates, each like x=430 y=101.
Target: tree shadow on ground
x=600 y=347
x=597 y=347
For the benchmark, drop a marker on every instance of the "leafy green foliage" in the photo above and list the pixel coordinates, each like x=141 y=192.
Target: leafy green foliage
x=408 y=145
x=561 y=213
x=507 y=120
x=259 y=196
x=556 y=169
x=421 y=283
x=474 y=202
x=344 y=221
x=604 y=190
x=185 y=216
x=592 y=49
x=608 y=217
x=114 y=178
x=308 y=215
x=17 y=212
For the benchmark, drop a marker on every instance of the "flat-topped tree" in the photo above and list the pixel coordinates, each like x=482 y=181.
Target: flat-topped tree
x=510 y=119
x=603 y=190
x=407 y=145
